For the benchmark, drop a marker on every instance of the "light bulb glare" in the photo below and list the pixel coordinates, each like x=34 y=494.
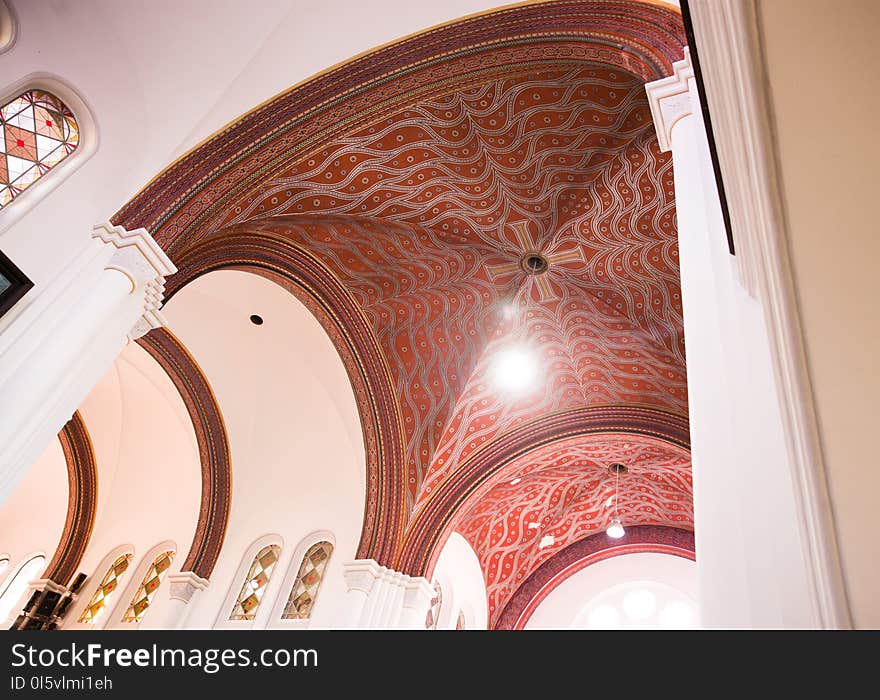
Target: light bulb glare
x=615 y=529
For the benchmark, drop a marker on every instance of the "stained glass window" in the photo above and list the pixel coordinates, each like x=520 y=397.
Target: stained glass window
x=434 y=611
x=308 y=581
x=102 y=593
x=254 y=586
x=144 y=594
x=460 y=623
x=37 y=131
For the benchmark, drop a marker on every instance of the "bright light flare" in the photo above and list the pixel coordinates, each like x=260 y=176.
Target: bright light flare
x=514 y=370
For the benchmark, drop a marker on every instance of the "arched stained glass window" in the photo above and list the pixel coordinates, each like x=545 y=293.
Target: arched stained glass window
x=434 y=611
x=254 y=585
x=308 y=580
x=37 y=131
x=14 y=588
x=144 y=594
x=460 y=622
x=108 y=585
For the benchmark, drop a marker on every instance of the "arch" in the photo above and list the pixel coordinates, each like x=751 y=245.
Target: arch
x=127 y=602
x=182 y=203
x=84 y=598
x=82 y=500
x=8 y=27
x=186 y=205
x=15 y=585
x=207 y=420
x=310 y=560
x=430 y=525
x=277 y=619
x=86 y=147
x=583 y=553
x=293 y=268
x=224 y=619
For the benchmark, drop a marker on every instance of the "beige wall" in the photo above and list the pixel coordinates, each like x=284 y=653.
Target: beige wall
x=822 y=60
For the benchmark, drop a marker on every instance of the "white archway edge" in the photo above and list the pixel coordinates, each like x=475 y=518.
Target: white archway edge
x=609 y=586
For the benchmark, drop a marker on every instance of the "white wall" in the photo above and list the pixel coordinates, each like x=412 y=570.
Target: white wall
x=294 y=432
x=161 y=76
x=460 y=576
x=824 y=104
x=628 y=591
x=149 y=473
x=749 y=551
x=33 y=518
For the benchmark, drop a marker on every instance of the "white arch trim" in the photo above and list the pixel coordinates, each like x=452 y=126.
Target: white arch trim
x=87 y=591
x=12 y=577
x=222 y=621
x=114 y=620
x=275 y=620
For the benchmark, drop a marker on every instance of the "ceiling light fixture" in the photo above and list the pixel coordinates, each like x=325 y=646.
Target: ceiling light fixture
x=514 y=482
x=514 y=370
x=615 y=529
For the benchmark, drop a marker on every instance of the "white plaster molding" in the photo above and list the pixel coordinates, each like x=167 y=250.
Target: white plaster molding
x=418 y=593
x=360 y=574
x=139 y=257
x=736 y=85
x=46 y=584
x=185 y=584
x=670 y=100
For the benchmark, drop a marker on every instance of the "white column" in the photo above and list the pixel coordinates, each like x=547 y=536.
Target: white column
x=183 y=587
x=750 y=561
x=56 y=350
x=381 y=598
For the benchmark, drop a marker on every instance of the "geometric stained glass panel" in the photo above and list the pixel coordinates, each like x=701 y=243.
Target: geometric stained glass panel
x=308 y=580
x=37 y=131
x=254 y=585
x=144 y=594
x=105 y=590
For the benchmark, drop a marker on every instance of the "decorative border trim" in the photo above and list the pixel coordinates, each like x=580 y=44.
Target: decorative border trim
x=736 y=84
x=431 y=524
x=186 y=201
x=207 y=420
x=318 y=289
x=583 y=553
x=82 y=501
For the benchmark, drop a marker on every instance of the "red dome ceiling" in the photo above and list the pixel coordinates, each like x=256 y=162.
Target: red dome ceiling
x=565 y=491
x=420 y=177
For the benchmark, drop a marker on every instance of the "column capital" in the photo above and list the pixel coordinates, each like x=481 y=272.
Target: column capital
x=144 y=263
x=671 y=100
x=185 y=584
x=360 y=574
x=418 y=593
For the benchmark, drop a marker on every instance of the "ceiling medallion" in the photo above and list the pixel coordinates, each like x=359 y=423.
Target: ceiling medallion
x=534 y=263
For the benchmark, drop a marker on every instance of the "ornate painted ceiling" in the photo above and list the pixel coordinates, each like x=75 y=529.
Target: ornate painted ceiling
x=422 y=178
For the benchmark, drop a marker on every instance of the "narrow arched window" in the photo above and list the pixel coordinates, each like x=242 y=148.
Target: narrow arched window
x=37 y=131
x=460 y=621
x=17 y=584
x=255 y=583
x=433 y=616
x=144 y=594
x=105 y=590
x=308 y=581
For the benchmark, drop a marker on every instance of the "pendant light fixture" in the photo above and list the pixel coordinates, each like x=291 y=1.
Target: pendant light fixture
x=615 y=528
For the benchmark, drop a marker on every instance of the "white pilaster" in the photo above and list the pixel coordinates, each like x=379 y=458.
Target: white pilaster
x=183 y=587
x=750 y=561
x=54 y=352
x=381 y=598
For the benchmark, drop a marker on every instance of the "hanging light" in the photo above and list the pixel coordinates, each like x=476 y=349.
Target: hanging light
x=615 y=529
